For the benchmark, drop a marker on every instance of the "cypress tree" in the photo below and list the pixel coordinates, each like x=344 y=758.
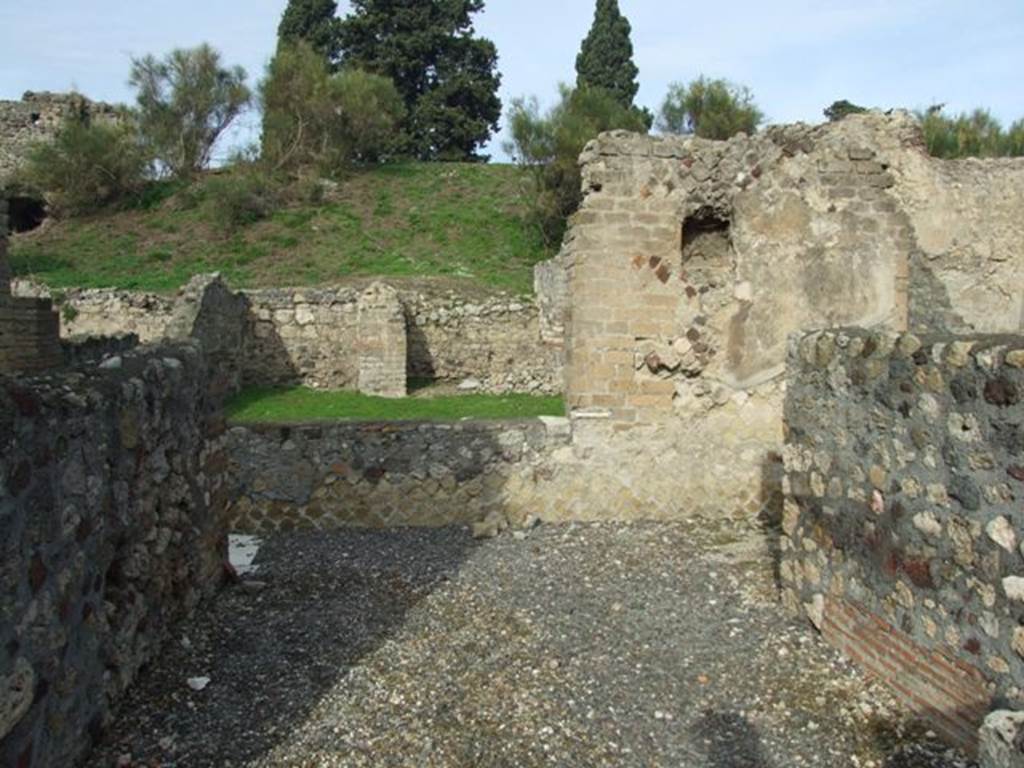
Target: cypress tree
x=447 y=76
x=312 y=21
x=605 y=59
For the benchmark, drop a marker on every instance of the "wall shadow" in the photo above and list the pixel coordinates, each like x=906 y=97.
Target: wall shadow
x=770 y=517
x=931 y=309
x=419 y=359
x=732 y=740
x=278 y=642
x=265 y=360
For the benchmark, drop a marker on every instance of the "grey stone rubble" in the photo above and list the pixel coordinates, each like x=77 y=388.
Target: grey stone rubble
x=576 y=645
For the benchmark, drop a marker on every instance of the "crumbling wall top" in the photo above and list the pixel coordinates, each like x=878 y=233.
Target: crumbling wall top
x=37 y=117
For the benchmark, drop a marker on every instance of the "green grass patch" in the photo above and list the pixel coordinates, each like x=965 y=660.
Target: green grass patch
x=303 y=405
x=457 y=220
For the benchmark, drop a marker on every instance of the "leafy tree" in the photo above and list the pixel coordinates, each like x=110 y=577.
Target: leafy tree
x=550 y=145
x=185 y=102
x=314 y=118
x=837 y=110
x=312 y=21
x=605 y=59
x=710 y=109
x=447 y=77
x=87 y=165
x=369 y=110
x=297 y=111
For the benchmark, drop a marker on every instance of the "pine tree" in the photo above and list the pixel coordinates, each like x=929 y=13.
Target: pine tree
x=312 y=21
x=447 y=76
x=605 y=59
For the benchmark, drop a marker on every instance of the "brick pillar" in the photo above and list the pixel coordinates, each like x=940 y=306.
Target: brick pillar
x=29 y=328
x=381 y=342
x=5 y=270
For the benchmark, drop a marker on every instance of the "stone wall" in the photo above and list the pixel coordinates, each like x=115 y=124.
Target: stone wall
x=309 y=336
x=38 y=117
x=904 y=465
x=690 y=262
x=386 y=474
x=111 y=530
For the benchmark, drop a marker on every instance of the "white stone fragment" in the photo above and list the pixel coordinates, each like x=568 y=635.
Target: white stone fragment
x=1013 y=586
x=997 y=738
x=242 y=551
x=816 y=610
x=17 y=692
x=198 y=683
x=1002 y=533
x=928 y=524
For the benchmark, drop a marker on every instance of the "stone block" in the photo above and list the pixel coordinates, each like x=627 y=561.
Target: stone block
x=1001 y=740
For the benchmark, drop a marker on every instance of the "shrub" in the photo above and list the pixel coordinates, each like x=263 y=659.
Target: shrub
x=241 y=196
x=185 y=102
x=550 y=145
x=369 y=110
x=837 y=110
x=711 y=109
x=313 y=119
x=88 y=165
x=974 y=134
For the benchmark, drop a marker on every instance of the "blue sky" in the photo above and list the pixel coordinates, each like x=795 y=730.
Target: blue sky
x=796 y=55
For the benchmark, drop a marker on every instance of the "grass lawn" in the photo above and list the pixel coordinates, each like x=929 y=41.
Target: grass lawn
x=455 y=220
x=303 y=405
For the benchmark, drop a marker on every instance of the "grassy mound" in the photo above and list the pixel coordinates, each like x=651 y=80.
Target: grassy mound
x=409 y=220
x=303 y=405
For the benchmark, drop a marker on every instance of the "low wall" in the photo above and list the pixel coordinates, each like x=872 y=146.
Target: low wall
x=393 y=473
x=309 y=336
x=904 y=465
x=386 y=474
x=111 y=530
x=82 y=350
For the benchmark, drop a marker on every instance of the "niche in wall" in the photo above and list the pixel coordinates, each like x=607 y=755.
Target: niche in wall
x=705 y=247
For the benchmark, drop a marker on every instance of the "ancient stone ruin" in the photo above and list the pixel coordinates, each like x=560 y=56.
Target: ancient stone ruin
x=37 y=117
x=682 y=320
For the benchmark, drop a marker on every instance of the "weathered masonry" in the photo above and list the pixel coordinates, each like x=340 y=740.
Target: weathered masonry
x=312 y=336
x=691 y=261
x=112 y=490
x=904 y=473
x=113 y=497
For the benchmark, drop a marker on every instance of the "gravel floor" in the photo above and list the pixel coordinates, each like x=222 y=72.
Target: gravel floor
x=579 y=645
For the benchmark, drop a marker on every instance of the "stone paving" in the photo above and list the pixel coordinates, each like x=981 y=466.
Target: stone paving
x=573 y=645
